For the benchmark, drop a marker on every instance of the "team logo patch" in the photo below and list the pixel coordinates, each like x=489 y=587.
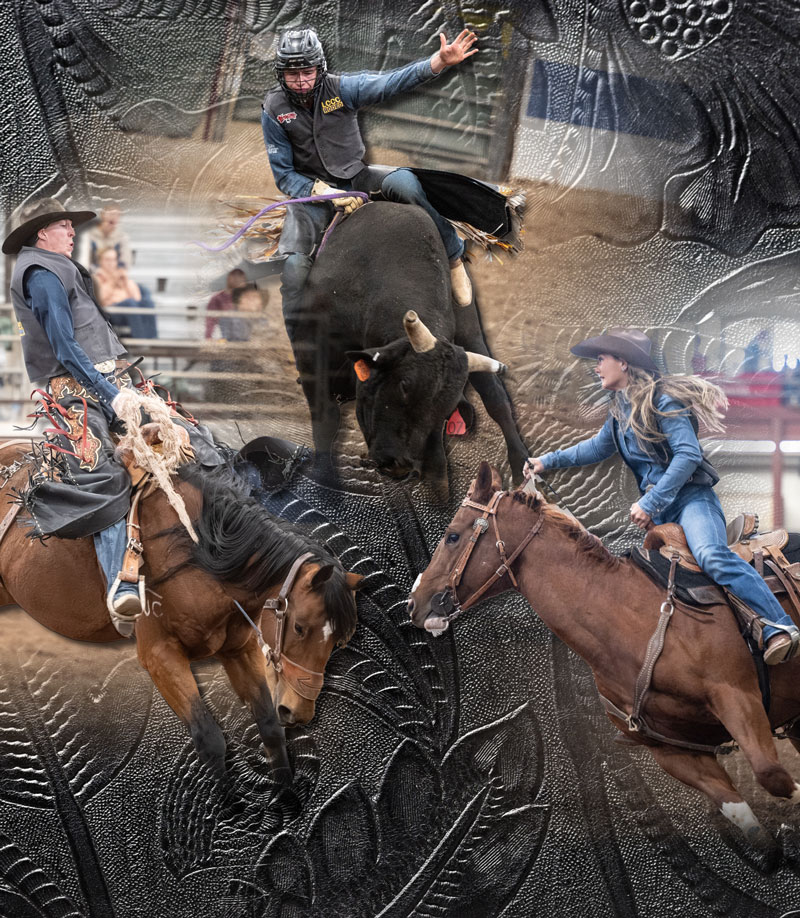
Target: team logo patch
x=330 y=105
x=20 y=329
x=287 y=116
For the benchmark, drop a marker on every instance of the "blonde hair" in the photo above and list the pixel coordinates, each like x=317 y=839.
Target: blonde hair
x=706 y=401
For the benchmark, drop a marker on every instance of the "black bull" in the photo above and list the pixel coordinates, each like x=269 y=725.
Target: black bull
x=353 y=336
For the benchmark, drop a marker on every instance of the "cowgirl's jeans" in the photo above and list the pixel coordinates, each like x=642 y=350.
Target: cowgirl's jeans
x=698 y=510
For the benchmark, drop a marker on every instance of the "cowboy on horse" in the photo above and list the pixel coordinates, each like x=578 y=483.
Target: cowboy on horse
x=652 y=424
x=78 y=363
x=315 y=148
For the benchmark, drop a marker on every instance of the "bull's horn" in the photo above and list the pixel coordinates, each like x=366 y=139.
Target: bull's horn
x=480 y=363
x=418 y=334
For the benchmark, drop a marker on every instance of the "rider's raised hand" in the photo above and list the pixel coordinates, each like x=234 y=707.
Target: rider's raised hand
x=455 y=52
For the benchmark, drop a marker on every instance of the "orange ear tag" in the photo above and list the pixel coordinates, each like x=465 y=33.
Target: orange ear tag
x=362 y=370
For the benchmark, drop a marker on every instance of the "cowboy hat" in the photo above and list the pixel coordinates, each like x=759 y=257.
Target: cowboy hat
x=628 y=344
x=38 y=215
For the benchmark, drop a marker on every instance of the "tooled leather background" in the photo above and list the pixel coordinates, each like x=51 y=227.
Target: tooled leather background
x=474 y=774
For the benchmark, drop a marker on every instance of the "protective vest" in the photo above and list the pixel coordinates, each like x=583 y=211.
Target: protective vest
x=326 y=140
x=92 y=330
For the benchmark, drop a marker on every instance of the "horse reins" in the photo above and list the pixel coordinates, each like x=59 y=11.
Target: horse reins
x=480 y=526
x=306 y=682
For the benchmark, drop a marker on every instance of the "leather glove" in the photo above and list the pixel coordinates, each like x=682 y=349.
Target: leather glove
x=348 y=205
x=124 y=398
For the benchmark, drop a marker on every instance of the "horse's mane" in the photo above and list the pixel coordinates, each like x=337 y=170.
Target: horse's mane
x=586 y=543
x=243 y=544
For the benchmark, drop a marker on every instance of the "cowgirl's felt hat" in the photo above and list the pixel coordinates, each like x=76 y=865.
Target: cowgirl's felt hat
x=628 y=344
x=38 y=215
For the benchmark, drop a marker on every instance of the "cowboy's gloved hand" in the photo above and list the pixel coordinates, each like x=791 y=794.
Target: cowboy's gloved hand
x=124 y=399
x=348 y=204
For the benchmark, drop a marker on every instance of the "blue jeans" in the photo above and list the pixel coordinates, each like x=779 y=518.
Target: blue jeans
x=698 y=510
x=405 y=188
x=110 y=547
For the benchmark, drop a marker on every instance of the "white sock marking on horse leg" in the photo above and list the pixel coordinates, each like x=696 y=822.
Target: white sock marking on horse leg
x=327 y=631
x=741 y=816
x=795 y=798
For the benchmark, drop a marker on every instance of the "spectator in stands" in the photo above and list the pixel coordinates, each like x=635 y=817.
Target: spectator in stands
x=103 y=235
x=223 y=300
x=247 y=299
x=114 y=287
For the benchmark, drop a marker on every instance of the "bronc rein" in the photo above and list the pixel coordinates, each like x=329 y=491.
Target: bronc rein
x=306 y=682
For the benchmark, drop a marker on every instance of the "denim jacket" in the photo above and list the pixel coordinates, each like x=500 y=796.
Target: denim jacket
x=659 y=480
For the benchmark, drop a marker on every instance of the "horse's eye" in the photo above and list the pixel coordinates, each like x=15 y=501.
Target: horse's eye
x=298 y=629
x=452 y=538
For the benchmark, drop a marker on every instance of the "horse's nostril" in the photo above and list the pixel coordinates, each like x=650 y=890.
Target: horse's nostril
x=285 y=715
x=411 y=605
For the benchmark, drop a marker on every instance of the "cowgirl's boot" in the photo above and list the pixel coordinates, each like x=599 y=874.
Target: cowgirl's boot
x=782 y=646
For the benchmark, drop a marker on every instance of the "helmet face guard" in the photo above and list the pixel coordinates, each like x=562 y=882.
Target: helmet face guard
x=300 y=50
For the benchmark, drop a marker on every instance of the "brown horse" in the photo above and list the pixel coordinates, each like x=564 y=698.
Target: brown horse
x=704 y=688
x=244 y=556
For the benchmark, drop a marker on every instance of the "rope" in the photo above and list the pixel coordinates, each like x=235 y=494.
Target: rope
x=313 y=199
x=163 y=466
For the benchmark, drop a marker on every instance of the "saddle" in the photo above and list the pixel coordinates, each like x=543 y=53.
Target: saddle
x=765 y=551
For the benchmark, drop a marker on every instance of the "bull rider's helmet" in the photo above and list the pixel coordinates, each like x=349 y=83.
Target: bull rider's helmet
x=298 y=49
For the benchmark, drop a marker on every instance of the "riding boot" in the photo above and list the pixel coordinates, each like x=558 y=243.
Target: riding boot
x=781 y=646
x=460 y=283
x=123 y=600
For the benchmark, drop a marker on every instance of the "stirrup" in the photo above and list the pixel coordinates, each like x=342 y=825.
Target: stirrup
x=125 y=622
x=791 y=630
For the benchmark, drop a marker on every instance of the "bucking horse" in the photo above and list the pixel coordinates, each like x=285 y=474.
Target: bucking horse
x=254 y=586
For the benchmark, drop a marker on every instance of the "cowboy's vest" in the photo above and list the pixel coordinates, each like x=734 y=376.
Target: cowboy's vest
x=326 y=141
x=92 y=331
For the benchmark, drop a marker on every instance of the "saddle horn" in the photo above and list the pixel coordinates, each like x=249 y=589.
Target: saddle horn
x=418 y=333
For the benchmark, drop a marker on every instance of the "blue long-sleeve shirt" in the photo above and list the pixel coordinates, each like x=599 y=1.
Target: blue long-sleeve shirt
x=48 y=300
x=356 y=90
x=658 y=481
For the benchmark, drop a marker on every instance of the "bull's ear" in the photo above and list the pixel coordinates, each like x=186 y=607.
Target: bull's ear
x=487 y=482
x=363 y=362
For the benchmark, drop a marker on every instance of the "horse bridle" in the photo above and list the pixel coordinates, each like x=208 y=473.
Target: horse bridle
x=306 y=682
x=480 y=526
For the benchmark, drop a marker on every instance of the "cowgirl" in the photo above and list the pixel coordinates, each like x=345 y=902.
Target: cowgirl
x=651 y=424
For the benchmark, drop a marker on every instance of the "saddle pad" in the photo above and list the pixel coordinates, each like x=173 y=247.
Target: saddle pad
x=691 y=587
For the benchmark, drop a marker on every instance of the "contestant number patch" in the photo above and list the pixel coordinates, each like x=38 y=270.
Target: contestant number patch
x=330 y=105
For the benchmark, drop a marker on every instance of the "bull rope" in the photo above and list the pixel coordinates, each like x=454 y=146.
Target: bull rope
x=161 y=467
x=310 y=200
